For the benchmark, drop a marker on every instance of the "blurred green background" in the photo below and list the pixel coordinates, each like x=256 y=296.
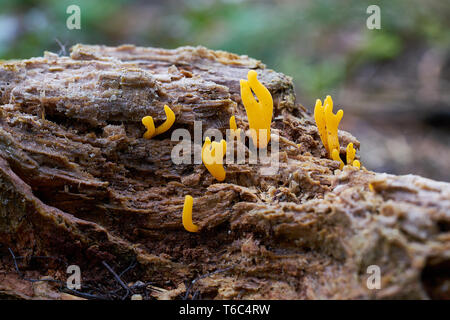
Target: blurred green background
x=392 y=83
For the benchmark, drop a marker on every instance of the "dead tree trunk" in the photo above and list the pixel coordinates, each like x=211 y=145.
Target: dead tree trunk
x=79 y=183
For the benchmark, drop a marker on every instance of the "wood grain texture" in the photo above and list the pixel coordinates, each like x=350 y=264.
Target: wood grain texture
x=78 y=181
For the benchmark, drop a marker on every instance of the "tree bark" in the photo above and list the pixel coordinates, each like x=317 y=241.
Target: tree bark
x=79 y=183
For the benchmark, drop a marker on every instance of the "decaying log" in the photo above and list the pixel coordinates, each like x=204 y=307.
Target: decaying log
x=78 y=182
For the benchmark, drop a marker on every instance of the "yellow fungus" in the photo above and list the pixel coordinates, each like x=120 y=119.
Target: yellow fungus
x=170 y=119
x=233 y=125
x=335 y=156
x=371 y=188
x=259 y=113
x=187 y=215
x=319 y=117
x=235 y=131
x=212 y=157
x=327 y=124
x=332 y=121
x=351 y=156
x=350 y=153
x=149 y=124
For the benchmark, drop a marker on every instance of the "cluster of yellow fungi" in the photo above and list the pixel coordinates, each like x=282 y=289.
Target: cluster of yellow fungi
x=327 y=124
x=259 y=115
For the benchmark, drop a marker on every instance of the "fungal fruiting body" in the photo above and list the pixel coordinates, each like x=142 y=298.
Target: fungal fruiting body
x=319 y=117
x=351 y=156
x=332 y=123
x=233 y=127
x=335 y=156
x=327 y=124
x=149 y=124
x=187 y=215
x=259 y=113
x=350 y=153
x=212 y=157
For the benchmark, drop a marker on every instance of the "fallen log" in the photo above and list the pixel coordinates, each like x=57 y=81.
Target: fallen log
x=78 y=182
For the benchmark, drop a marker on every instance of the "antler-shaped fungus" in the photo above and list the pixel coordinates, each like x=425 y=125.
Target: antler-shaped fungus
x=327 y=124
x=332 y=122
x=351 y=156
x=212 y=157
x=319 y=116
x=259 y=113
